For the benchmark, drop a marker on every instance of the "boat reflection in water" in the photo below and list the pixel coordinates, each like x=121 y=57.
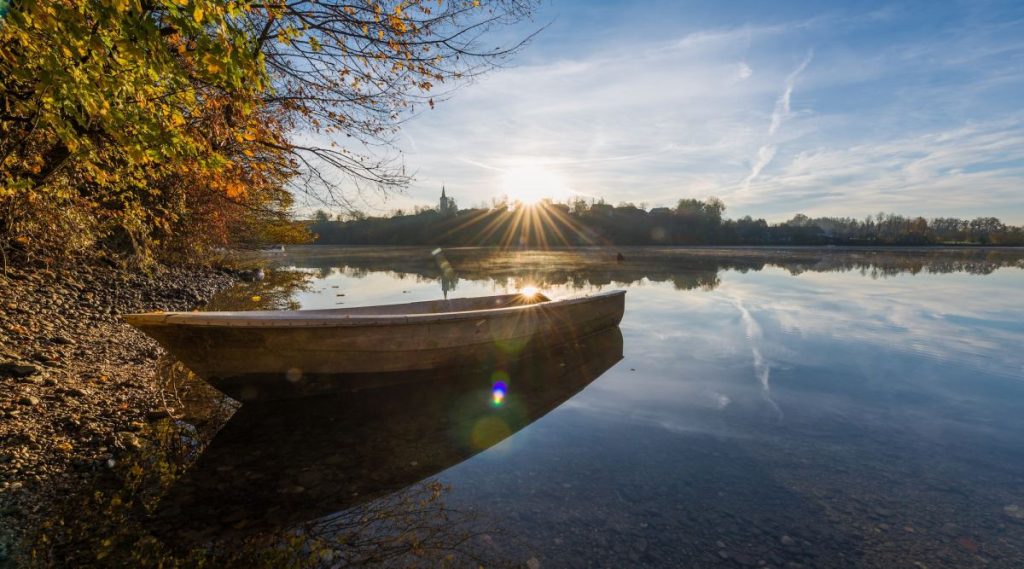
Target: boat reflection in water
x=275 y=465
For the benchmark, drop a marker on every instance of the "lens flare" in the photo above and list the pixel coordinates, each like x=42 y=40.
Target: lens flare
x=529 y=291
x=488 y=432
x=498 y=394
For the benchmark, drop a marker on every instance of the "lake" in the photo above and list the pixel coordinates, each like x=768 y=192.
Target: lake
x=758 y=408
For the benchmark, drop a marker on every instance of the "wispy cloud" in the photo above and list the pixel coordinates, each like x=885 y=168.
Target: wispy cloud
x=970 y=167
x=872 y=119
x=764 y=156
x=780 y=113
x=782 y=105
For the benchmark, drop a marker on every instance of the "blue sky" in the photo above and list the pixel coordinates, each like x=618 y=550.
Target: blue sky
x=830 y=108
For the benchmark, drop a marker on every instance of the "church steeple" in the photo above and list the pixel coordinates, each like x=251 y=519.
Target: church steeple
x=446 y=204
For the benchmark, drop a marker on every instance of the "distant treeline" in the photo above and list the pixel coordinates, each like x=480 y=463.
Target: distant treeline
x=685 y=268
x=691 y=222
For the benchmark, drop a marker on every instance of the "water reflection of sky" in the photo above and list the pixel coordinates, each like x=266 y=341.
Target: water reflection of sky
x=791 y=404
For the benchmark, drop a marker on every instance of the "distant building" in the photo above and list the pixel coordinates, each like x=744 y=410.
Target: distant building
x=447 y=205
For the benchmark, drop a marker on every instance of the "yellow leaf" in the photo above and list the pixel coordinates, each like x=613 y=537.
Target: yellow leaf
x=235 y=190
x=198 y=14
x=212 y=64
x=256 y=298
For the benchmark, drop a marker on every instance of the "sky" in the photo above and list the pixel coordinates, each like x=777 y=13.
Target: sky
x=823 y=108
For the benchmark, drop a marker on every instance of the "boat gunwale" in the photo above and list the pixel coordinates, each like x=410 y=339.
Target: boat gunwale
x=242 y=320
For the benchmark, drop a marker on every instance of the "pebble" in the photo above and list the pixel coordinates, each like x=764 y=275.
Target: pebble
x=65 y=320
x=744 y=559
x=157 y=414
x=18 y=369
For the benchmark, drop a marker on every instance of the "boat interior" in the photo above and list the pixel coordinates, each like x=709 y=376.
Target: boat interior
x=443 y=306
x=456 y=305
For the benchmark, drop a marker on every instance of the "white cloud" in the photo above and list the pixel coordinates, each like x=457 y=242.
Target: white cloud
x=970 y=167
x=764 y=156
x=782 y=106
x=689 y=117
x=743 y=71
x=780 y=113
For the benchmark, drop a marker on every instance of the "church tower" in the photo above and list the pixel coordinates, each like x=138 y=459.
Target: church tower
x=447 y=204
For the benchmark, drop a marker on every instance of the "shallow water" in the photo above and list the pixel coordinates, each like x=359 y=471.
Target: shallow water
x=790 y=408
x=819 y=408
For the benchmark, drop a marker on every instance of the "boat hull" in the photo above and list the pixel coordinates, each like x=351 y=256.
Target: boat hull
x=242 y=360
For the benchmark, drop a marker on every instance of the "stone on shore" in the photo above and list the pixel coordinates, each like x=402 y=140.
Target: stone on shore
x=18 y=369
x=77 y=385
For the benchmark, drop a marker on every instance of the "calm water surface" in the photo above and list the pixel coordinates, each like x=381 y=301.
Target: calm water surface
x=826 y=409
x=794 y=408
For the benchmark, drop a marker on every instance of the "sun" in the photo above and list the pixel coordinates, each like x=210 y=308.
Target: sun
x=531 y=183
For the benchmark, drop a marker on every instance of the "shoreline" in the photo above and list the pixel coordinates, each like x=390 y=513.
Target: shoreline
x=77 y=384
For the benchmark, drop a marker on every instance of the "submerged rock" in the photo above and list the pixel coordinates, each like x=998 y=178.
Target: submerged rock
x=1015 y=513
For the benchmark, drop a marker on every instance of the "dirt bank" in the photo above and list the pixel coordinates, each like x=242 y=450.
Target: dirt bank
x=76 y=384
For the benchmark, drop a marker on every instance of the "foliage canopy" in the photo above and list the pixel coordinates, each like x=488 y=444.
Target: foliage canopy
x=175 y=126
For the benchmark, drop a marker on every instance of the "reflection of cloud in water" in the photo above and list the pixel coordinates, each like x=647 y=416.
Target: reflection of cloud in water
x=762 y=368
x=832 y=345
x=723 y=400
x=943 y=318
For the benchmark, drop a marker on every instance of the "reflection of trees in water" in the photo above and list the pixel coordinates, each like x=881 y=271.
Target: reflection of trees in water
x=587 y=268
x=275 y=292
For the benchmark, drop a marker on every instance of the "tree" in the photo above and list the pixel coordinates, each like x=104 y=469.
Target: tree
x=354 y=69
x=134 y=123
x=714 y=208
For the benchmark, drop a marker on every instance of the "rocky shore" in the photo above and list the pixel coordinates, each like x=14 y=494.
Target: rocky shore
x=77 y=384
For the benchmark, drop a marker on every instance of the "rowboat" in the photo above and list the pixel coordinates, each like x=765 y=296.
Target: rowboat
x=250 y=354
x=278 y=464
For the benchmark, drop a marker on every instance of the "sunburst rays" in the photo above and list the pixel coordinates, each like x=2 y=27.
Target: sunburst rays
x=543 y=225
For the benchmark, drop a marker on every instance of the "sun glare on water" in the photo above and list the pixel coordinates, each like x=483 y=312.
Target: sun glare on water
x=529 y=184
